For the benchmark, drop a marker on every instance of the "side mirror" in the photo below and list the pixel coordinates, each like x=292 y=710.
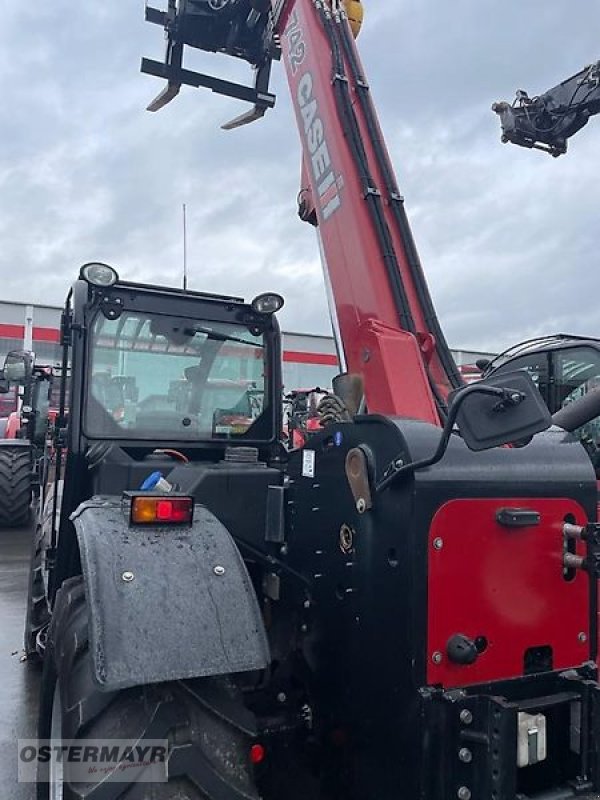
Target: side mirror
x=503 y=409
x=4 y=384
x=18 y=367
x=488 y=419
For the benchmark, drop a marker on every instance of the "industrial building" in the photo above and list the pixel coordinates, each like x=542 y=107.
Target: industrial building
x=308 y=360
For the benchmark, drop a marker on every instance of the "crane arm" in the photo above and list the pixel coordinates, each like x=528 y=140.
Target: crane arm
x=385 y=323
x=546 y=122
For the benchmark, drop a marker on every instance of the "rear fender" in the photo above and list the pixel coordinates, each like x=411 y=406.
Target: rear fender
x=189 y=610
x=14 y=443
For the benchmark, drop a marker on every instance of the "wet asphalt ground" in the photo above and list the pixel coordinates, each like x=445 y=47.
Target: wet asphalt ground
x=19 y=682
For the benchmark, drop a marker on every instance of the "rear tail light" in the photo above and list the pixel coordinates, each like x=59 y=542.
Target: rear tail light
x=161 y=510
x=257 y=753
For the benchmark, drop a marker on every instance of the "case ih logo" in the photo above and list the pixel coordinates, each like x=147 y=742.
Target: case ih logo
x=314 y=130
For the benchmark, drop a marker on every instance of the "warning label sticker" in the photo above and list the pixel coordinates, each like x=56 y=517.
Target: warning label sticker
x=308 y=464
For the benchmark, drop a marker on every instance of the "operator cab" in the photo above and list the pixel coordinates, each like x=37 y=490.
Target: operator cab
x=564 y=368
x=172 y=368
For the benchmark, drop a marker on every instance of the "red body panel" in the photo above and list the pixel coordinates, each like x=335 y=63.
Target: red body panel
x=355 y=265
x=505 y=584
x=13 y=426
x=8 y=402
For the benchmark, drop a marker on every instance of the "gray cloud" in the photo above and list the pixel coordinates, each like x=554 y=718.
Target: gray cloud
x=507 y=236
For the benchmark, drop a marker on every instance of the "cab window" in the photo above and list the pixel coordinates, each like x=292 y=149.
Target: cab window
x=576 y=372
x=154 y=376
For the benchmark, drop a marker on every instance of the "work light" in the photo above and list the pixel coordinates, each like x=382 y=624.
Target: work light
x=99 y=274
x=268 y=303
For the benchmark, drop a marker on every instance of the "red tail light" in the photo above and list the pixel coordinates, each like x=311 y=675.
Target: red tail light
x=257 y=753
x=161 y=510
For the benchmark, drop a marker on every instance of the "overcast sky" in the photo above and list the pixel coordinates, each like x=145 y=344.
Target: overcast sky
x=508 y=236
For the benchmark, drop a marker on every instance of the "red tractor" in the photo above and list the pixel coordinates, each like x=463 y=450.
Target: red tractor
x=23 y=452
x=301 y=415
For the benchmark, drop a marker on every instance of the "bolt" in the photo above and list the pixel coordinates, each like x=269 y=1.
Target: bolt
x=398 y=463
x=465 y=755
x=361 y=506
x=127 y=576
x=438 y=543
x=307 y=604
x=437 y=657
x=346 y=539
x=219 y=570
x=304 y=628
x=283 y=550
x=582 y=637
x=281 y=697
x=464 y=793
x=466 y=717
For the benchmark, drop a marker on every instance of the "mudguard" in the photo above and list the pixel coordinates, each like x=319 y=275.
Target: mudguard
x=165 y=603
x=13 y=442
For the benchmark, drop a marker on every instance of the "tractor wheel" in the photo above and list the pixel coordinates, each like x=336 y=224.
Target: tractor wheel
x=209 y=730
x=37 y=614
x=15 y=486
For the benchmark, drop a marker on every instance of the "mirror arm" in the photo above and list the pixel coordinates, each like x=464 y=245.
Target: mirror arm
x=397 y=468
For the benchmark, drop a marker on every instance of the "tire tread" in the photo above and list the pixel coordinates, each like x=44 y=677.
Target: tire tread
x=15 y=486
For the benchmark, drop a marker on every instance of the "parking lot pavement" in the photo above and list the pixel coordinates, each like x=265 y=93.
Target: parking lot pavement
x=19 y=682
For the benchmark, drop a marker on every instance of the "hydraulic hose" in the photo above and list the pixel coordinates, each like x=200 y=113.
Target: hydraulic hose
x=372 y=196
x=397 y=205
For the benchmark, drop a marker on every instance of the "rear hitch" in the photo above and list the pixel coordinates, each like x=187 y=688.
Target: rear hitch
x=528 y=739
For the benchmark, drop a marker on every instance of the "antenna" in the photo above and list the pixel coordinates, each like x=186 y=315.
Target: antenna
x=184 y=250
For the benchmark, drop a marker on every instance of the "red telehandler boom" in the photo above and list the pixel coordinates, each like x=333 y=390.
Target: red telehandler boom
x=383 y=308
x=432 y=610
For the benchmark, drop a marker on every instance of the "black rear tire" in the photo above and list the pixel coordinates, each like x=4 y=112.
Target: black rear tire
x=15 y=486
x=209 y=730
